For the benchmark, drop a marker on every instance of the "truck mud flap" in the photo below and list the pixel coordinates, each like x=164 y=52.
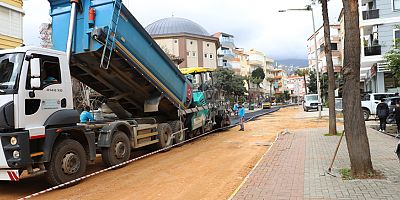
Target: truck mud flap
x=90 y=137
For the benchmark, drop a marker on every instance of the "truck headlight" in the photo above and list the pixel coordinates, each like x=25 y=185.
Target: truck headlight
x=16 y=154
x=13 y=141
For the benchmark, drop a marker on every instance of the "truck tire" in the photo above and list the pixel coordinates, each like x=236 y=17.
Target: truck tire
x=164 y=133
x=366 y=114
x=68 y=162
x=176 y=126
x=119 y=150
x=219 y=121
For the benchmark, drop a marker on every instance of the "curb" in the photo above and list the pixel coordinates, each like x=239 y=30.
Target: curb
x=253 y=169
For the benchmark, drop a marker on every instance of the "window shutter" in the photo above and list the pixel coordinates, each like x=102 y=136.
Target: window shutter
x=10 y=23
x=4 y=22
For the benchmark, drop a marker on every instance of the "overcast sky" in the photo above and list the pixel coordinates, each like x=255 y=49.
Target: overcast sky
x=254 y=23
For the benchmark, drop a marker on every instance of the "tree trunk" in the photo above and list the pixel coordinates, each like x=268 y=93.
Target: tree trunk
x=305 y=83
x=331 y=72
x=270 y=90
x=354 y=124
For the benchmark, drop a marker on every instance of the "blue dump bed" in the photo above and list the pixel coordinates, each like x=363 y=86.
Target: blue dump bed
x=140 y=76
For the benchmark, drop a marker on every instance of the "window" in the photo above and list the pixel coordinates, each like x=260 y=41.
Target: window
x=188 y=53
x=208 y=45
x=50 y=72
x=396 y=34
x=378 y=97
x=191 y=42
x=365 y=97
x=10 y=67
x=176 y=41
x=396 y=4
x=11 y=22
x=194 y=54
x=205 y=55
x=334 y=46
x=211 y=56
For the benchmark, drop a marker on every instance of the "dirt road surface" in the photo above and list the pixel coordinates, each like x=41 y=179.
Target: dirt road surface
x=211 y=167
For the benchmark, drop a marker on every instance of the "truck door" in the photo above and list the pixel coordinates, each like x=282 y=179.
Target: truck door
x=36 y=105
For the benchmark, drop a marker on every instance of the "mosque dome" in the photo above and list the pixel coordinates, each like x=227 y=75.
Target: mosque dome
x=175 y=25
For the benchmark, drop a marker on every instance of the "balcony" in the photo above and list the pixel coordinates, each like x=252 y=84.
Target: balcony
x=227 y=42
x=227 y=54
x=372 y=50
x=370 y=14
x=256 y=63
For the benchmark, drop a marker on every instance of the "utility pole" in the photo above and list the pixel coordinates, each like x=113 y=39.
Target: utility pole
x=309 y=8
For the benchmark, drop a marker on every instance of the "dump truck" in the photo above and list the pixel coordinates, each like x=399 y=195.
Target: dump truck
x=101 y=44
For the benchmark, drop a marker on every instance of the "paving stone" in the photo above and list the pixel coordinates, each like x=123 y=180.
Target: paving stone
x=297 y=163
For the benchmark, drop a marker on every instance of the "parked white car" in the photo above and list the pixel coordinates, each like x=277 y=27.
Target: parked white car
x=310 y=102
x=369 y=102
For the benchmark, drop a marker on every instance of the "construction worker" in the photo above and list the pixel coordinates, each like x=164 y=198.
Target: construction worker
x=235 y=108
x=241 y=113
x=86 y=116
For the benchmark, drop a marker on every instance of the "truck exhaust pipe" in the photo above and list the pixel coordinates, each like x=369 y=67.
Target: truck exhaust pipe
x=71 y=29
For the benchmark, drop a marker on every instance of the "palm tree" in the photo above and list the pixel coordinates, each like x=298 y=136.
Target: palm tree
x=303 y=73
x=271 y=81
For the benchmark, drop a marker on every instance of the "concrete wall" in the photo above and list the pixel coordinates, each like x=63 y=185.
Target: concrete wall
x=386 y=9
x=192 y=53
x=209 y=55
x=386 y=36
x=169 y=45
x=16 y=3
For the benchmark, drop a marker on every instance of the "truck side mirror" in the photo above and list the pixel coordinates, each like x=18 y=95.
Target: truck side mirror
x=35 y=73
x=35 y=83
x=35 y=67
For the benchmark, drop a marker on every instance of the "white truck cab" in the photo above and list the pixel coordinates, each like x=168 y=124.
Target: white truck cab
x=35 y=93
x=37 y=83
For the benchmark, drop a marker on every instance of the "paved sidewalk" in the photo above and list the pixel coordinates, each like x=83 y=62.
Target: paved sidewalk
x=295 y=168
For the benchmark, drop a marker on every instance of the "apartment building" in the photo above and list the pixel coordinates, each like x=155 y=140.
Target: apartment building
x=187 y=40
x=226 y=55
x=378 y=32
x=280 y=81
x=241 y=63
x=296 y=88
x=257 y=59
x=11 y=15
x=336 y=47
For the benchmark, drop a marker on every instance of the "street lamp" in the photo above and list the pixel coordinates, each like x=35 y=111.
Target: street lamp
x=309 y=8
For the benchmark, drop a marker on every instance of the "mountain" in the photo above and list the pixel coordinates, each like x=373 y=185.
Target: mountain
x=293 y=62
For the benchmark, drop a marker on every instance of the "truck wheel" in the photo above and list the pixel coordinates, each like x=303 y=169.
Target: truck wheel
x=164 y=133
x=176 y=126
x=366 y=114
x=219 y=121
x=227 y=121
x=68 y=162
x=119 y=150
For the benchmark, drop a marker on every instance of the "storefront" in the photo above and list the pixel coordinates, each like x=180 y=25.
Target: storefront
x=379 y=80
